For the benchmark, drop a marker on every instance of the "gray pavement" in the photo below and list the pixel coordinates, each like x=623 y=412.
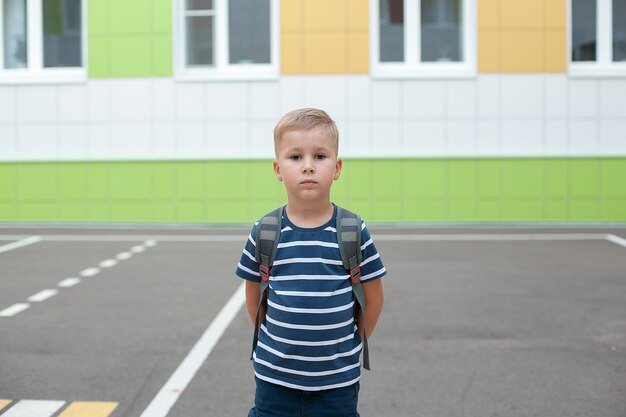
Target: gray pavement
x=531 y=324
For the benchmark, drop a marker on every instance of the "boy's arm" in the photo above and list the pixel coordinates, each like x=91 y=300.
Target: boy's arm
x=252 y=300
x=374 y=300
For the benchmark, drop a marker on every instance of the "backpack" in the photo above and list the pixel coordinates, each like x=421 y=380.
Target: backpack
x=348 y=226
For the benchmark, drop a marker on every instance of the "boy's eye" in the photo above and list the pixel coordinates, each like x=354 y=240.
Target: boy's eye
x=320 y=156
x=296 y=157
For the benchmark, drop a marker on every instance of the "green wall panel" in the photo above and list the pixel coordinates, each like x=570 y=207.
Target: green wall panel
x=130 y=38
x=384 y=190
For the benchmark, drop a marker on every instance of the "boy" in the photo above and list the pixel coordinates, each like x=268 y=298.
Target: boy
x=306 y=361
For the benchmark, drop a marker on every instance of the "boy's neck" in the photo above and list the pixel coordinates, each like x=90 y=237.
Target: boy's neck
x=309 y=214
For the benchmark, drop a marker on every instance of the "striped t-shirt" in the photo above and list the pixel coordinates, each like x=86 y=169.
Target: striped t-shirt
x=309 y=339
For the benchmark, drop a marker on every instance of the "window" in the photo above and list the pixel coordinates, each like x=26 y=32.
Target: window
x=598 y=37
x=423 y=38
x=227 y=39
x=41 y=40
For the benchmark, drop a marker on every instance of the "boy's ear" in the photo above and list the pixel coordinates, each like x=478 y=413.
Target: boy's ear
x=338 y=167
x=277 y=170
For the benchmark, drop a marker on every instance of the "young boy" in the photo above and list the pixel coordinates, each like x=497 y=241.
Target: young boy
x=306 y=361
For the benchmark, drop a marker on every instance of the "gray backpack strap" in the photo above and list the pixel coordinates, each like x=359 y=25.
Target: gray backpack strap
x=266 y=238
x=349 y=240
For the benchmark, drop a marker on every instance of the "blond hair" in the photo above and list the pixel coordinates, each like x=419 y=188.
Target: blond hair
x=306 y=119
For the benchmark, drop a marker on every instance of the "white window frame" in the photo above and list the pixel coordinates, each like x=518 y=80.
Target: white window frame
x=413 y=67
x=604 y=65
x=35 y=72
x=223 y=70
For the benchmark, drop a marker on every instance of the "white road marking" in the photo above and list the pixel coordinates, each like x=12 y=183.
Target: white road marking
x=69 y=282
x=137 y=249
x=89 y=272
x=24 y=242
x=617 y=240
x=42 y=296
x=34 y=408
x=107 y=263
x=123 y=256
x=14 y=309
x=170 y=392
x=150 y=243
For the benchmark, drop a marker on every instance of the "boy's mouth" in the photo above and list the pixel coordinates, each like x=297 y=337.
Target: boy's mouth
x=308 y=182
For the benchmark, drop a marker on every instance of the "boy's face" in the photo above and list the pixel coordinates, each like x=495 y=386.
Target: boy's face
x=306 y=161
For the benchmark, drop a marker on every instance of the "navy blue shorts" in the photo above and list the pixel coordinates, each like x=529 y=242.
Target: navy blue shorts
x=278 y=401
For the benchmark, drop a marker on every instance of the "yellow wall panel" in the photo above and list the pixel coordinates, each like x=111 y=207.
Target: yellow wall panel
x=324 y=15
x=291 y=15
x=523 y=51
x=324 y=53
x=488 y=51
x=358 y=14
x=526 y=14
x=556 y=14
x=556 y=51
x=488 y=14
x=291 y=53
x=358 y=52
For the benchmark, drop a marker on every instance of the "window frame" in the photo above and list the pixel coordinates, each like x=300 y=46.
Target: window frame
x=412 y=67
x=35 y=72
x=603 y=66
x=223 y=70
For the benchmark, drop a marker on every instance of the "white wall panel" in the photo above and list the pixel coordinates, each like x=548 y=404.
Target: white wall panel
x=8 y=142
x=490 y=115
x=226 y=101
x=37 y=142
x=488 y=138
x=190 y=102
x=163 y=100
x=8 y=104
x=423 y=99
x=522 y=137
x=328 y=93
x=37 y=103
x=461 y=137
x=583 y=137
x=424 y=137
x=358 y=97
x=264 y=101
x=72 y=141
x=130 y=141
x=523 y=96
x=583 y=98
x=461 y=99
x=72 y=105
x=191 y=140
x=385 y=99
x=130 y=100
x=613 y=99
x=98 y=101
x=556 y=96
x=613 y=137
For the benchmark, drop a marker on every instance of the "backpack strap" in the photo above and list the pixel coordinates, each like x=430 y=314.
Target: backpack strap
x=266 y=238
x=349 y=240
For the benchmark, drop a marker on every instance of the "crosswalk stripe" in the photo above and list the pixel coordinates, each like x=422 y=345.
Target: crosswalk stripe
x=89 y=409
x=4 y=403
x=34 y=408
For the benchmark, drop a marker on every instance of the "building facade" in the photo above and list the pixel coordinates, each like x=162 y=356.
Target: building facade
x=448 y=110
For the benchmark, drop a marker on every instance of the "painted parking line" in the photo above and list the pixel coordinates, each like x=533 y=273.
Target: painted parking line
x=47 y=408
x=42 y=296
x=34 y=408
x=173 y=388
x=14 y=309
x=21 y=243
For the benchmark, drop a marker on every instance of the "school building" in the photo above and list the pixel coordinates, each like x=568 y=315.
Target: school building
x=162 y=111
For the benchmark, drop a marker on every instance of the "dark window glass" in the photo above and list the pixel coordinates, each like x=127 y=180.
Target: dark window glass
x=249 y=31
x=14 y=34
x=619 y=30
x=441 y=30
x=200 y=39
x=584 y=34
x=391 y=31
x=62 y=33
